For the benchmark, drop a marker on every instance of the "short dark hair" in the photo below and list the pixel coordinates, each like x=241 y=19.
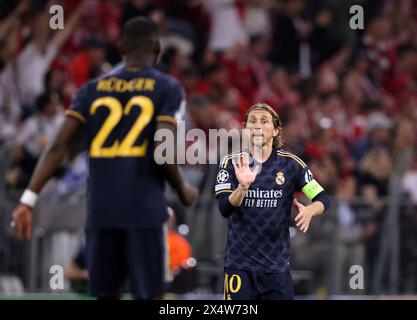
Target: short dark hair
x=43 y=100
x=139 y=34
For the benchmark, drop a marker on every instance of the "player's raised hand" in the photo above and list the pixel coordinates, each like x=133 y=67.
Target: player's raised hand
x=244 y=174
x=303 y=217
x=189 y=194
x=22 y=221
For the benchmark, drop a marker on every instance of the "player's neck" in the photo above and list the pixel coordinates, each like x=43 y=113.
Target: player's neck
x=131 y=61
x=261 y=154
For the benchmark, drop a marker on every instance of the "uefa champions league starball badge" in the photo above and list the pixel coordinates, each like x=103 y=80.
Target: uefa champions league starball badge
x=222 y=176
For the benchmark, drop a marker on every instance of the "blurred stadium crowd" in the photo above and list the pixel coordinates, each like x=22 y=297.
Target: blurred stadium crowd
x=347 y=98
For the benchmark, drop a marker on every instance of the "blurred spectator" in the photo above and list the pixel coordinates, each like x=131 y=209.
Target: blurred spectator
x=135 y=8
x=10 y=102
x=203 y=112
x=378 y=133
x=226 y=25
x=351 y=231
x=324 y=43
x=239 y=70
x=328 y=78
x=380 y=45
x=93 y=56
x=404 y=22
x=99 y=19
x=375 y=171
x=105 y=15
x=36 y=57
x=57 y=80
x=296 y=129
x=259 y=48
x=171 y=38
x=357 y=86
x=404 y=139
x=54 y=81
x=409 y=181
x=256 y=18
x=7 y=130
x=289 y=31
x=276 y=91
x=213 y=82
x=74 y=179
x=190 y=78
x=402 y=75
x=173 y=61
x=36 y=133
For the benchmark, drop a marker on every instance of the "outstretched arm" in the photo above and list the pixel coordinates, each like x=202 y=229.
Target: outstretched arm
x=45 y=168
x=61 y=36
x=9 y=22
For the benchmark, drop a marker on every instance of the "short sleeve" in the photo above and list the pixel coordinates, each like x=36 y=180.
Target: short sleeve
x=225 y=179
x=306 y=182
x=79 y=105
x=173 y=103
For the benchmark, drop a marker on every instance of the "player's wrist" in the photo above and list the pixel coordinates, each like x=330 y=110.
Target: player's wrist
x=316 y=208
x=29 y=198
x=243 y=187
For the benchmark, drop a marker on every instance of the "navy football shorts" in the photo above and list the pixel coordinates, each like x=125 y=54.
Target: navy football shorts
x=246 y=285
x=113 y=256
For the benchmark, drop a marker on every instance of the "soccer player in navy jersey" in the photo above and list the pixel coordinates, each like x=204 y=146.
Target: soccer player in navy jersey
x=120 y=113
x=255 y=190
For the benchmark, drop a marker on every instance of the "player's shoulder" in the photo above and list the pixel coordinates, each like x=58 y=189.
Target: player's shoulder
x=167 y=80
x=117 y=71
x=227 y=159
x=290 y=157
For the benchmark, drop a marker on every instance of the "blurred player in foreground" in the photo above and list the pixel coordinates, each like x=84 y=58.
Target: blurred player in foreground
x=255 y=190
x=119 y=113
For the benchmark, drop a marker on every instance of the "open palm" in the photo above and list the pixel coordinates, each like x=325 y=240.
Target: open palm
x=245 y=175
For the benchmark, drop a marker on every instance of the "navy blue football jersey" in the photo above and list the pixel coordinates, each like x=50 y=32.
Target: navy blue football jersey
x=120 y=111
x=258 y=231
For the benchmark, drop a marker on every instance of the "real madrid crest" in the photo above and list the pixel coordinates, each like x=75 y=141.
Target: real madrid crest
x=280 y=179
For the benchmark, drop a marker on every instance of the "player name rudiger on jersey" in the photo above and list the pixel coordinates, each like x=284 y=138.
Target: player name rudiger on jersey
x=115 y=84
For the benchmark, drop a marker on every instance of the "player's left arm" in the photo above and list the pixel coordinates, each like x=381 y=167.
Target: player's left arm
x=45 y=168
x=49 y=162
x=315 y=192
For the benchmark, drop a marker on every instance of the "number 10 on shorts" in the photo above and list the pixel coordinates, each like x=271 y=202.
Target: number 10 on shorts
x=232 y=284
